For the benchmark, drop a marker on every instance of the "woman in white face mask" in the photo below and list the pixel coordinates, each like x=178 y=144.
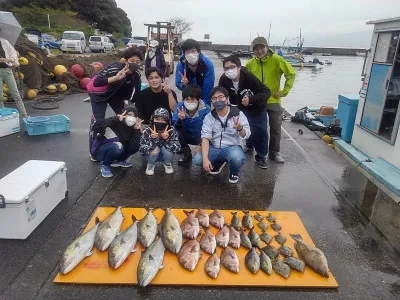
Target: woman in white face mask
x=155 y=58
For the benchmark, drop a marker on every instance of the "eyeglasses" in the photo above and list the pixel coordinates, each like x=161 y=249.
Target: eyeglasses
x=218 y=98
x=230 y=68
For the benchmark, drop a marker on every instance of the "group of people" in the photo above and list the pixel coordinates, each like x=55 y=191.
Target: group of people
x=220 y=122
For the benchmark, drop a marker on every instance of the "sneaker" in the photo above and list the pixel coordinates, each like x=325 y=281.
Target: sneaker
x=247 y=149
x=106 y=171
x=150 y=170
x=185 y=159
x=262 y=163
x=218 y=168
x=276 y=157
x=233 y=178
x=168 y=169
x=92 y=158
x=124 y=164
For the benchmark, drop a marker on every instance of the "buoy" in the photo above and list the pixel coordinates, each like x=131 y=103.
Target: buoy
x=32 y=54
x=122 y=60
x=21 y=75
x=23 y=61
x=332 y=146
x=51 y=89
x=51 y=74
x=96 y=66
x=63 y=87
x=59 y=70
x=5 y=97
x=327 y=139
x=77 y=70
x=5 y=88
x=83 y=82
x=31 y=94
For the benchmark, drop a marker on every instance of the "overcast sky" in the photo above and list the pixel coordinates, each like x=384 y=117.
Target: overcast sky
x=232 y=21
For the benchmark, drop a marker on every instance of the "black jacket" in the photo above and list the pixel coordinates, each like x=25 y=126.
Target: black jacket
x=248 y=84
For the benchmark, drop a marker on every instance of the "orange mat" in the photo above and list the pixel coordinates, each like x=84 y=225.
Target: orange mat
x=95 y=269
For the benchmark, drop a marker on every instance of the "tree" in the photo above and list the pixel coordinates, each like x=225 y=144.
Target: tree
x=181 y=25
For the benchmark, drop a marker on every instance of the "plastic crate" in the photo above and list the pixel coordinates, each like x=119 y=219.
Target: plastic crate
x=47 y=124
x=9 y=121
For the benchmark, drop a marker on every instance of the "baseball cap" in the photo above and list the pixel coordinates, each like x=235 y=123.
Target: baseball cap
x=153 y=43
x=260 y=41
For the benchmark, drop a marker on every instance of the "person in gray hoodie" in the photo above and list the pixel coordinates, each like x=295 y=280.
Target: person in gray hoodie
x=221 y=134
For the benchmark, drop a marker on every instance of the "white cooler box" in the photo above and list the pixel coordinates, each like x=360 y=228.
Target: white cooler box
x=28 y=195
x=9 y=121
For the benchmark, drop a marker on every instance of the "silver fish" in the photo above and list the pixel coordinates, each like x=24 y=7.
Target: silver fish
x=265 y=263
x=275 y=226
x=244 y=240
x=295 y=263
x=234 y=238
x=230 y=260
x=266 y=238
x=313 y=257
x=190 y=226
x=80 y=248
x=217 y=219
x=258 y=217
x=252 y=261
x=262 y=226
x=285 y=251
x=247 y=220
x=150 y=262
x=235 y=222
x=147 y=229
x=208 y=242
x=254 y=238
x=280 y=238
x=281 y=268
x=270 y=218
x=204 y=219
x=222 y=237
x=108 y=230
x=189 y=254
x=171 y=233
x=271 y=251
x=123 y=245
x=212 y=266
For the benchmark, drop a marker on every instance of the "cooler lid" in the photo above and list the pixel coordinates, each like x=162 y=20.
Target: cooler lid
x=22 y=182
x=8 y=111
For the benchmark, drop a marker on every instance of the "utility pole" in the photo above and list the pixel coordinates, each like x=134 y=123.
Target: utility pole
x=48 y=18
x=269 y=33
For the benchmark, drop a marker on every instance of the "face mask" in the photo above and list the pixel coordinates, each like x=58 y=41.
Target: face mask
x=232 y=73
x=160 y=126
x=190 y=105
x=192 y=58
x=130 y=121
x=219 y=105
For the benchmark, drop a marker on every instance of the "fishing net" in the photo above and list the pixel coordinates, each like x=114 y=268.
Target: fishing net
x=47 y=102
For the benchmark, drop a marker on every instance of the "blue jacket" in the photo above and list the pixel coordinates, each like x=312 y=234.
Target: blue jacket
x=204 y=76
x=192 y=124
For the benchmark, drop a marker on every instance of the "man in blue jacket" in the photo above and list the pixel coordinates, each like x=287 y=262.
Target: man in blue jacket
x=196 y=68
x=188 y=120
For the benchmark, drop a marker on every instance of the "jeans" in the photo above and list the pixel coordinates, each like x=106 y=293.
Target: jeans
x=259 y=135
x=7 y=77
x=160 y=154
x=108 y=153
x=233 y=155
x=99 y=108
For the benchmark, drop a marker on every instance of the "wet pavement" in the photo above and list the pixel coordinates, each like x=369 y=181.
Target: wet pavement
x=315 y=181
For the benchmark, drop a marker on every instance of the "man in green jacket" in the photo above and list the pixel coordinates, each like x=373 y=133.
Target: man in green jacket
x=269 y=67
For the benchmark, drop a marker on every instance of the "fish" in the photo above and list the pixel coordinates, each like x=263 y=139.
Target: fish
x=295 y=263
x=108 y=230
x=285 y=251
x=234 y=238
x=170 y=231
x=281 y=268
x=204 y=219
x=280 y=238
x=189 y=255
x=265 y=263
x=235 y=222
x=212 y=266
x=262 y=226
x=190 y=226
x=147 y=229
x=252 y=261
x=254 y=238
x=123 y=245
x=275 y=226
x=208 y=242
x=312 y=256
x=222 y=237
x=258 y=217
x=230 y=260
x=80 y=248
x=271 y=251
x=244 y=240
x=150 y=262
x=270 y=218
x=266 y=238
x=217 y=219
x=247 y=220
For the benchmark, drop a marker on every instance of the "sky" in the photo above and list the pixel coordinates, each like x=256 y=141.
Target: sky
x=323 y=23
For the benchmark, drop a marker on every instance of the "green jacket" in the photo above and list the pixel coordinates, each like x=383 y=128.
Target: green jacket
x=269 y=70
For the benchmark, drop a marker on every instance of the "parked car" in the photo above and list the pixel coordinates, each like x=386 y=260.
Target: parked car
x=73 y=41
x=99 y=43
x=140 y=44
x=49 y=42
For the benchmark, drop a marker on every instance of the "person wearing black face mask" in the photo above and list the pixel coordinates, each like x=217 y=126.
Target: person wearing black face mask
x=159 y=142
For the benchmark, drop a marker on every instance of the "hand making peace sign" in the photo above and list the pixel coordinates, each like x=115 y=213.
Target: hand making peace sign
x=236 y=124
x=184 y=80
x=165 y=134
x=181 y=113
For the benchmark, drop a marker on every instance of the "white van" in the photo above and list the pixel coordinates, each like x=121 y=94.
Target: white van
x=99 y=43
x=73 y=41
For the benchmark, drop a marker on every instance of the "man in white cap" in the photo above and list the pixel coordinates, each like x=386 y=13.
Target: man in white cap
x=155 y=58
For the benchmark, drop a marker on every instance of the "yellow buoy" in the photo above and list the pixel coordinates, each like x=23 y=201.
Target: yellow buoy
x=332 y=146
x=59 y=70
x=32 y=54
x=122 y=60
x=5 y=88
x=31 y=94
x=21 y=75
x=63 y=87
x=23 y=61
x=5 y=97
x=327 y=139
x=51 y=89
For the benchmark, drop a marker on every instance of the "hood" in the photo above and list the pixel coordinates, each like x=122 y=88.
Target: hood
x=160 y=112
x=270 y=52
